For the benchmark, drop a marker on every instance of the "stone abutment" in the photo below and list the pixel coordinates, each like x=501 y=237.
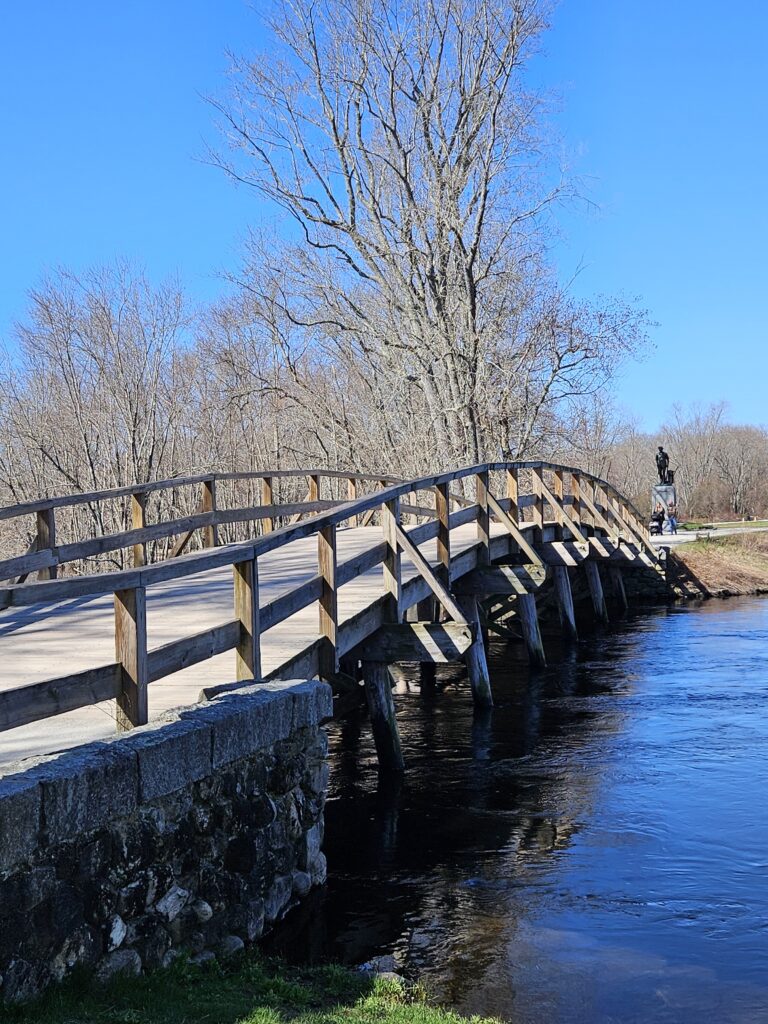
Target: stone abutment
x=194 y=833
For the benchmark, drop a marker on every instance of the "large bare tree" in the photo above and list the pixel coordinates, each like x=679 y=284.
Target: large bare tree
x=404 y=147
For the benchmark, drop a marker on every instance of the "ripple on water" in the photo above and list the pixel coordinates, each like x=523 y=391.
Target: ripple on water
x=593 y=850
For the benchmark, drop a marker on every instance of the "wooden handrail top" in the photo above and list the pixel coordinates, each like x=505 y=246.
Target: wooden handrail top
x=67 y=500
x=49 y=591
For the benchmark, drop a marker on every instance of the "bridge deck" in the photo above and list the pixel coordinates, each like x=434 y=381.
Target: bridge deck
x=43 y=642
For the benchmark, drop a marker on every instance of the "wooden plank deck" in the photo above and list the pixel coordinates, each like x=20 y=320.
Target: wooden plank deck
x=41 y=642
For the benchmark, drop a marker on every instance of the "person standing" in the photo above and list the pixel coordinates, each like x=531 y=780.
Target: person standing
x=672 y=517
x=657 y=519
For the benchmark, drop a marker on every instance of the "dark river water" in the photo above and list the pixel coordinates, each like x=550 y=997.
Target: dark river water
x=593 y=849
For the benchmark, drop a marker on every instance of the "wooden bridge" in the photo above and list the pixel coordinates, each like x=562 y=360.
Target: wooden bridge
x=321 y=588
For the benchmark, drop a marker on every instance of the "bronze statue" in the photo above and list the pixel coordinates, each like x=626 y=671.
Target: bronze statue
x=662 y=465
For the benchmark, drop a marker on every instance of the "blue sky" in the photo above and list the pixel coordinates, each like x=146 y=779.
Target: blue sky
x=663 y=114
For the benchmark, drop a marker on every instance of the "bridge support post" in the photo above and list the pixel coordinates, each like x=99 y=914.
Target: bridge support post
x=376 y=677
x=564 y=596
x=427 y=611
x=477 y=664
x=350 y=666
x=619 y=593
x=529 y=623
x=596 y=591
x=381 y=707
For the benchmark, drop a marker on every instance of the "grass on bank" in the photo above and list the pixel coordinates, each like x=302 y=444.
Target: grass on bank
x=752 y=524
x=736 y=564
x=245 y=990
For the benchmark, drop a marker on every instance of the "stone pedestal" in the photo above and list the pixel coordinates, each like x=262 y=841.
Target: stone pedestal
x=666 y=494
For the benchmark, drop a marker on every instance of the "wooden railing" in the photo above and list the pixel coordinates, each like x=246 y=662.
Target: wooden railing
x=574 y=504
x=44 y=555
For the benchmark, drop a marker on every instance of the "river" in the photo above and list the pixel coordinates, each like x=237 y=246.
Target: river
x=594 y=849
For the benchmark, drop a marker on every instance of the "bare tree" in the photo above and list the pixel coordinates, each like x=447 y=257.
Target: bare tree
x=99 y=391
x=741 y=460
x=403 y=144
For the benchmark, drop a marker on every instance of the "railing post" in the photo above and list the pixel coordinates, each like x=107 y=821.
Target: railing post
x=268 y=524
x=443 y=509
x=597 y=498
x=326 y=562
x=46 y=538
x=314 y=487
x=512 y=493
x=576 y=498
x=586 y=516
x=616 y=517
x=390 y=520
x=538 y=506
x=138 y=522
x=352 y=495
x=483 y=517
x=248 y=651
x=131 y=656
x=210 y=533
x=557 y=492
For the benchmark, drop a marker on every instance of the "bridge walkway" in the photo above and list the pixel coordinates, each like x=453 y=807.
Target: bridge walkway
x=72 y=635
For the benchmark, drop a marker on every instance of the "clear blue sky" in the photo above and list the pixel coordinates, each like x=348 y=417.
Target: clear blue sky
x=663 y=113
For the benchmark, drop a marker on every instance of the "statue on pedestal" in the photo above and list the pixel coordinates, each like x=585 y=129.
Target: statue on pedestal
x=662 y=465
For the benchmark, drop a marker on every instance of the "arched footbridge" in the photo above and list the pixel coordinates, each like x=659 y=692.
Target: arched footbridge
x=364 y=572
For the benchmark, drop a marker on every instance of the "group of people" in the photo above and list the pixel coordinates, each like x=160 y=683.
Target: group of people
x=660 y=514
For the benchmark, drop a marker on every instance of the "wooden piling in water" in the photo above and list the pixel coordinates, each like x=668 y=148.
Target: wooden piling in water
x=596 y=591
x=619 y=592
x=427 y=611
x=529 y=623
x=564 y=596
x=476 y=661
x=381 y=707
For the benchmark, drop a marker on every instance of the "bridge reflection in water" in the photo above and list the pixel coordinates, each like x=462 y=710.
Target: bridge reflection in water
x=591 y=850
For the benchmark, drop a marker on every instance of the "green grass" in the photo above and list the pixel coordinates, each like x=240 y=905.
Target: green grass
x=245 y=990
x=754 y=524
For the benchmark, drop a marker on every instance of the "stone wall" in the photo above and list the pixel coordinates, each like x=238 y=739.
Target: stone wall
x=194 y=833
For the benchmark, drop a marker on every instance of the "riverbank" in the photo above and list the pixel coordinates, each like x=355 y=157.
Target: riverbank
x=732 y=566
x=244 y=990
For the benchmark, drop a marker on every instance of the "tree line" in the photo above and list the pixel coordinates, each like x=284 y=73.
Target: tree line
x=721 y=468
x=402 y=314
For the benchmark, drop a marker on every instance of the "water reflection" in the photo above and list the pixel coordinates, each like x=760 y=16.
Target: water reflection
x=592 y=849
